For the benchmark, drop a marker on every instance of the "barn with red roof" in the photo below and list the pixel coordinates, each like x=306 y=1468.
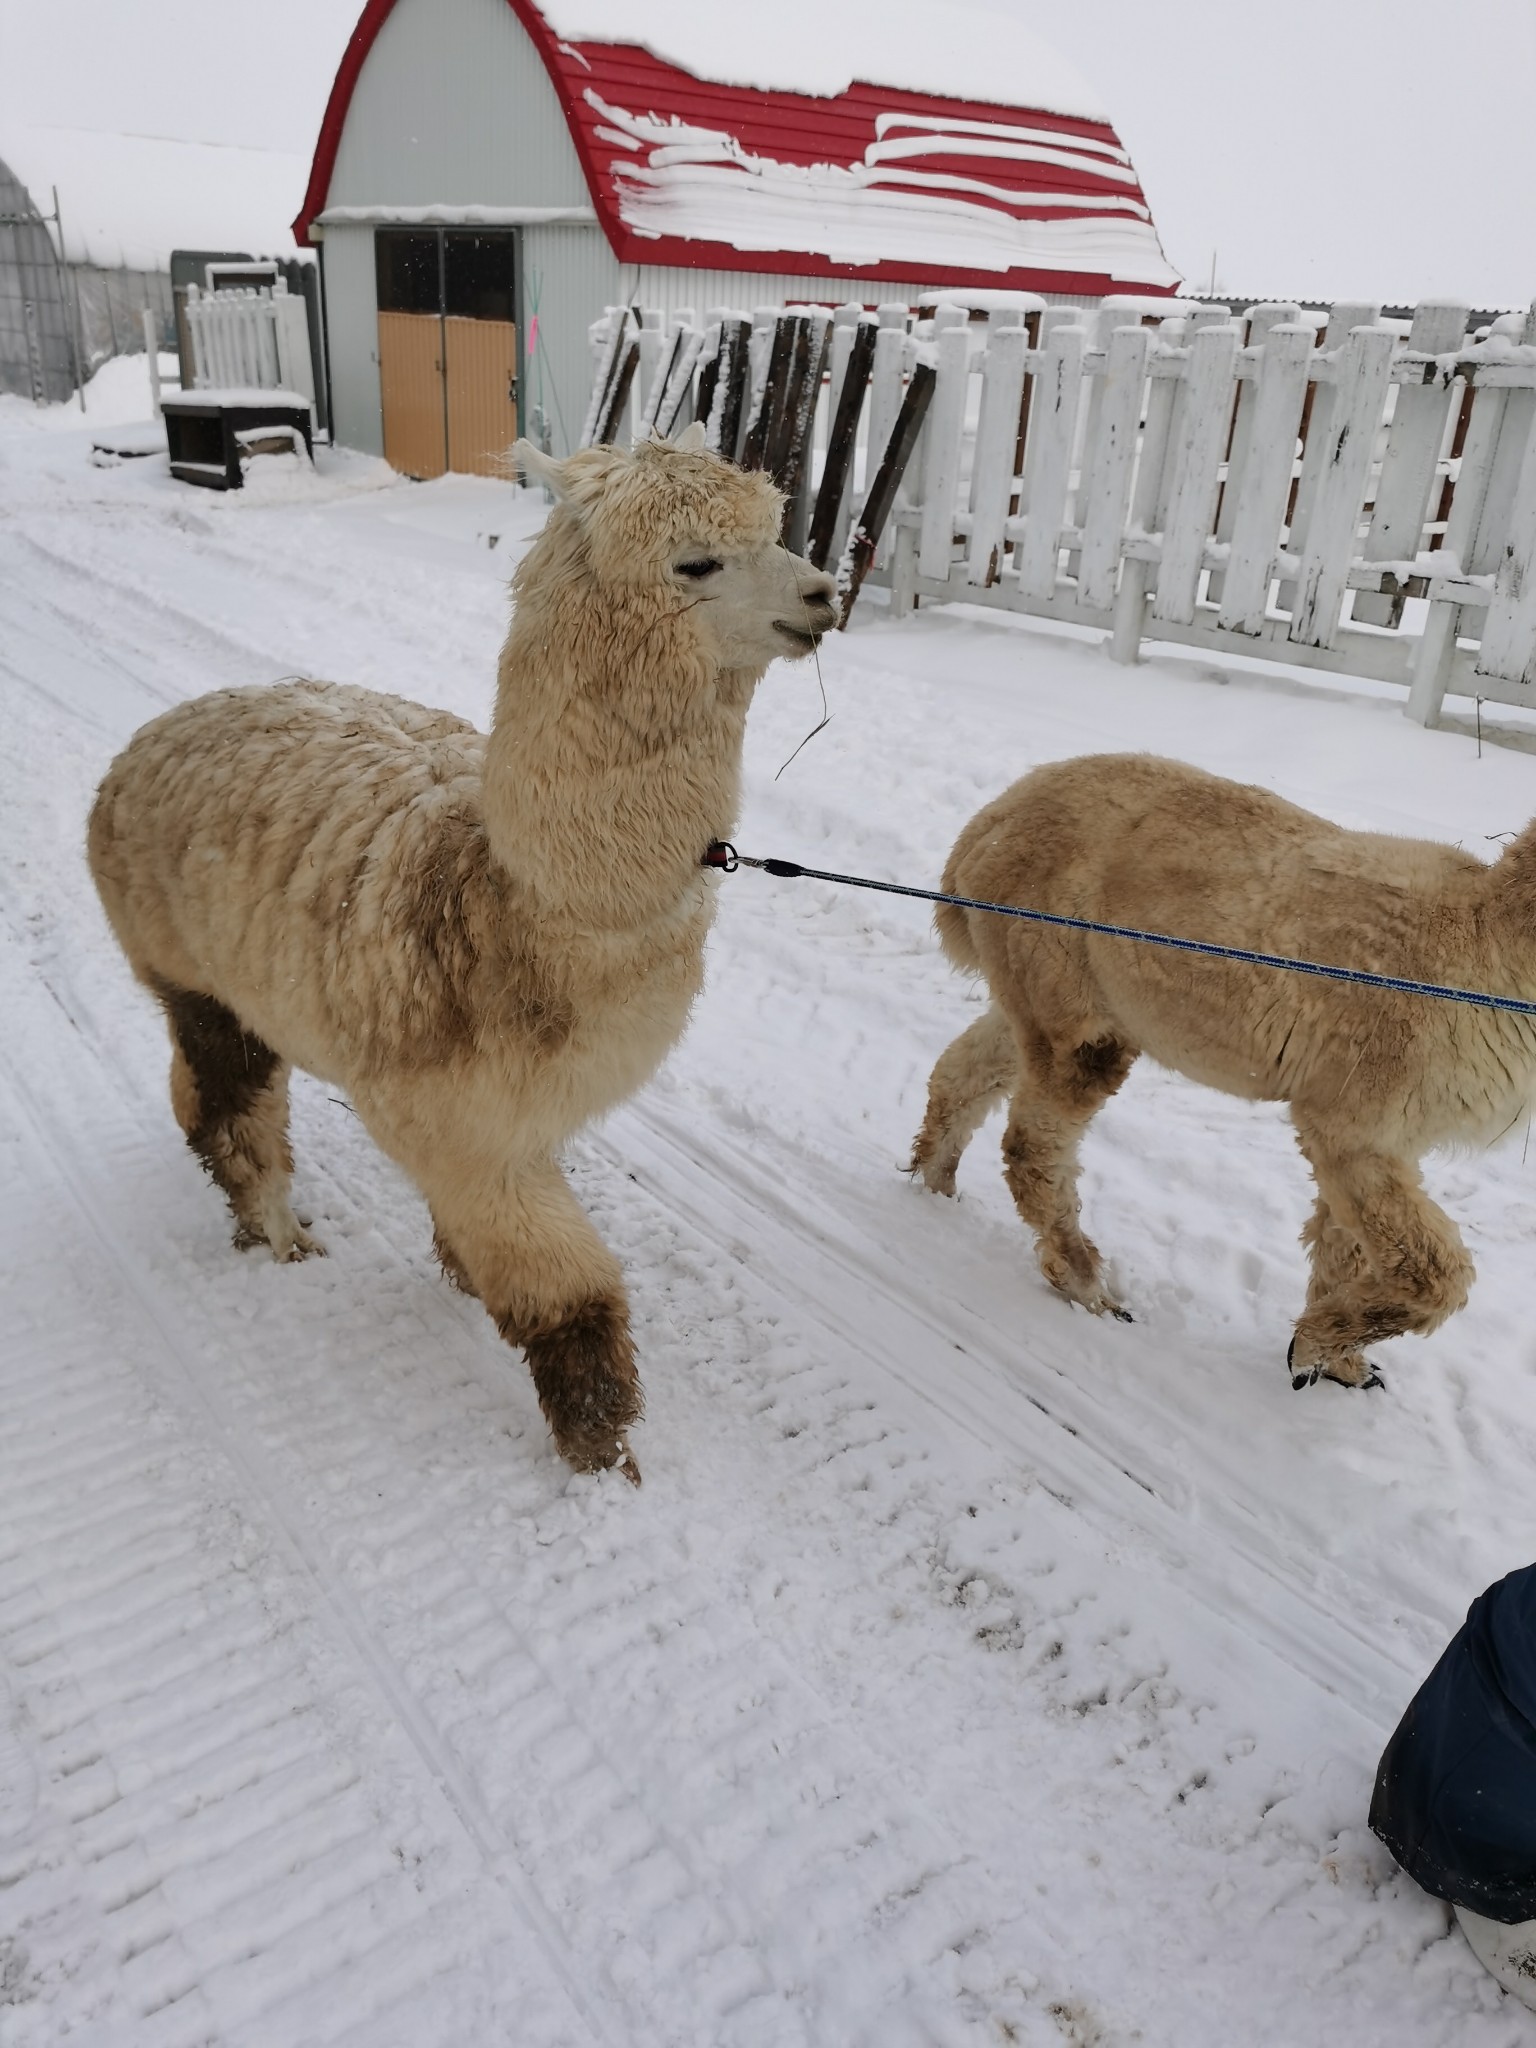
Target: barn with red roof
x=491 y=174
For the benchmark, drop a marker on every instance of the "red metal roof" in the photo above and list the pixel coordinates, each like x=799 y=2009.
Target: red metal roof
x=675 y=152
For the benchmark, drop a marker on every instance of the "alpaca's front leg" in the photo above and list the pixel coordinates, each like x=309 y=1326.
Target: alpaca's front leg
x=551 y=1285
x=511 y=1232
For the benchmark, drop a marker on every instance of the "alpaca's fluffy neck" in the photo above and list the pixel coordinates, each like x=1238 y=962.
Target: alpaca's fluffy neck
x=606 y=781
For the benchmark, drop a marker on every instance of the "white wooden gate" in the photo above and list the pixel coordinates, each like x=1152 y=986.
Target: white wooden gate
x=247 y=339
x=1351 y=494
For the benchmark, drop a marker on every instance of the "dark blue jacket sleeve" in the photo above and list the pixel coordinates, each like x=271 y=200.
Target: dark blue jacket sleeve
x=1455 y=1797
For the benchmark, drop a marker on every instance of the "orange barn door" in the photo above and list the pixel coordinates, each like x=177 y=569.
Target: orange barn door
x=411 y=391
x=482 y=379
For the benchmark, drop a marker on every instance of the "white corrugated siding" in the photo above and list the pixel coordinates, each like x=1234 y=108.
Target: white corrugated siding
x=352 y=329
x=574 y=274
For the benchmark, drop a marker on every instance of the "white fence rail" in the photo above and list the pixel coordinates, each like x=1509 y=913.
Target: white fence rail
x=1351 y=493
x=247 y=339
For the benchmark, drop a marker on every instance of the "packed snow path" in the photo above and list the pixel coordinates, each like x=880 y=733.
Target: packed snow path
x=965 y=1671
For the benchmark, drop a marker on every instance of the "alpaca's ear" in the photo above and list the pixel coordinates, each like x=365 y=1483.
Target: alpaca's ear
x=537 y=467
x=692 y=439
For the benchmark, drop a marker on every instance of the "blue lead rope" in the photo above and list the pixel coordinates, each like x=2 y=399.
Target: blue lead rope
x=723 y=855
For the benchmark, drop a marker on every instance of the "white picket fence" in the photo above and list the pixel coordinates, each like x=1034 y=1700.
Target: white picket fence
x=1355 y=494
x=246 y=339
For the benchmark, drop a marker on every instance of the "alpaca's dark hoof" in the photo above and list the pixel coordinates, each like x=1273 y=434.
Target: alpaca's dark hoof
x=1365 y=1376
x=584 y=1373
x=1121 y=1315
x=585 y=1456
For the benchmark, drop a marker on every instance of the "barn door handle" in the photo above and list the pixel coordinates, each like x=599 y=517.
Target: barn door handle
x=512 y=390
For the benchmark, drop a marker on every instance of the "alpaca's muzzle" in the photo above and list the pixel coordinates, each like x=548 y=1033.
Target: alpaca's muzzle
x=817 y=616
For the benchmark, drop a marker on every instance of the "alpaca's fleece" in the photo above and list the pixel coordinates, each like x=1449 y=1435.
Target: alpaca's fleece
x=486 y=942
x=1373 y=1079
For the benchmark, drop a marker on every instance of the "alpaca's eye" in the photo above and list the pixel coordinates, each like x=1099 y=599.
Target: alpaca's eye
x=706 y=565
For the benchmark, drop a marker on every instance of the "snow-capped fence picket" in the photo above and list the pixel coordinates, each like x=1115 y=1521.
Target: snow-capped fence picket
x=250 y=340
x=1355 y=494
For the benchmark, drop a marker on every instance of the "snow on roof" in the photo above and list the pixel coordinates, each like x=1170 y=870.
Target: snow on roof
x=929 y=191
x=835 y=174
x=806 y=46
x=130 y=199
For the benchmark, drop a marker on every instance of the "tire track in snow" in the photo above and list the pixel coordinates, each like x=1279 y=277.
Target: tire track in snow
x=142 y=612
x=14 y=635
x=714 y=1182
x=182 y=1756
x=133 y=622
x=331 y=1595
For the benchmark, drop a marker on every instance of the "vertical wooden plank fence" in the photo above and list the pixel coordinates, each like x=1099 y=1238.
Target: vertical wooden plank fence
x=1359 y=499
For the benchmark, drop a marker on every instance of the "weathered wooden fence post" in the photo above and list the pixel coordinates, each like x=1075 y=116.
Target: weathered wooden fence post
x=1196 y=460
x=1150 y=492
x=728 y=391
x=1263 y=487
x=793 y=455
x=941 y=465
x=1048 y=458
x=1342 y=321
x=1508 y=649
x=1107 y=490
x=1362 y=369
x=1259 y=321
x=1489 y=435
x=834 y=497
x=1420 y=417
x=865 y=537
x=997 y=434
x=887 y=386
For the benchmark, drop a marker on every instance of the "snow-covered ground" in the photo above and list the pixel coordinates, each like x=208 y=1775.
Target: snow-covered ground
x=965 y=1672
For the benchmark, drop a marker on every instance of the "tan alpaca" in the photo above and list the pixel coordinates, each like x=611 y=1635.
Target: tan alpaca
x=1374 y=1080
x=485 y=942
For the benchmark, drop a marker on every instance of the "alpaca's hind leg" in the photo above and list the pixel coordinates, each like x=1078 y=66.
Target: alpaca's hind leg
x=1061 y=1090
x=969 y=1079
x=1385 y=1262
x=518 y=1238
x=229 y=1091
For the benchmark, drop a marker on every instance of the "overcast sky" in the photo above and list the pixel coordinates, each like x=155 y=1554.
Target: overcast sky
x=1332 y=148
x=1356 y=148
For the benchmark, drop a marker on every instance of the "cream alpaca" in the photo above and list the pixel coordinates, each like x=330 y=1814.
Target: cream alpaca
x=485 y=942
x=1374 y=1080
